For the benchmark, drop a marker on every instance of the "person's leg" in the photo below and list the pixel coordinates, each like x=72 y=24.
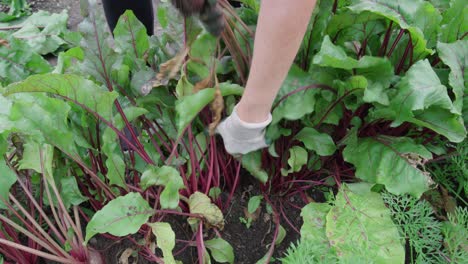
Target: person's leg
x=280 y=30
x=143 y=10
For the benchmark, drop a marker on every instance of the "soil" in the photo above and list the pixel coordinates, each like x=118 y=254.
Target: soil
x=250 y=244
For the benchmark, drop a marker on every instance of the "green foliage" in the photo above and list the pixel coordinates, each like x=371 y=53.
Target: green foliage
x=16 y=9
x=455 y=232
x=120 y=217
x=201 y=204
x=356 y=229
x=220 y=250
x=390 y=161
x=165 y=239
x=417 y=225
x=169 y=178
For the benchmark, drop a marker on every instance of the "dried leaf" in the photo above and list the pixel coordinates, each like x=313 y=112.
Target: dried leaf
x=168 y=70
x=205 y=83
x=4 y=42
x=125 y=256
x=217 y=107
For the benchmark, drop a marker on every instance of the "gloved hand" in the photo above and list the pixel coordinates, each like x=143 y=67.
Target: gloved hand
x=241 y=137
x=210 y=14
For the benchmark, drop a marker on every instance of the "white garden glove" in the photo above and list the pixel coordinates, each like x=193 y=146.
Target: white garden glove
x=242 y=137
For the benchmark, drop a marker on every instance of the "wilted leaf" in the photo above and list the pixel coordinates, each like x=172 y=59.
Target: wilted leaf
x=201 y=204
x=120 y=217
x=165 y=239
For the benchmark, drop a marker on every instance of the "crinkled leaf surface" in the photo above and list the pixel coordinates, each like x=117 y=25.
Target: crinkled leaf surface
x=390 y=161
x=18 y=61
x=120 y=217
x=419 y=90
x=43 y=31
x=200 y=203
x=314 y=217
x=165 y=239
x=169 y=178
x=313 y=140
x=455 y=55
x=360 y=228
x=220 y=250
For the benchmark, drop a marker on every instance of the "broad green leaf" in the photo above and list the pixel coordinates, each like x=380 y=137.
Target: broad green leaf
x=252 y=162
x=73 y=87
x=188 y=107
x=120 y=217
x=297 y=159
x=18 y=61
x=203 y=48
x=169 y=178
x=220 y=250
x=453 y=25
x=254 y=203
x=360 y=228
x=455 y=55
x=442 y=122
x=313 y=140
x=390 y=161
x=419 y=90
x=165 y=240
x=44 y=119
x=99 y=57
x=130 y=36
x=299 y=104
x=214 y=193
x=407 y=15
x=7 y=179
x=199 y=203
x=70 y=192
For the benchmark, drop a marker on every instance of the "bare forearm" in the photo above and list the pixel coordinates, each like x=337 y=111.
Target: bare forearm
x=280 y=30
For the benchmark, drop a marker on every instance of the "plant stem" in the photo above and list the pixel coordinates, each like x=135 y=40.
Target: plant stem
x=37 y=252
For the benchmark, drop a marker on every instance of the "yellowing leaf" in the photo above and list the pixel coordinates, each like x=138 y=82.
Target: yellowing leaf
x=201 y=204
